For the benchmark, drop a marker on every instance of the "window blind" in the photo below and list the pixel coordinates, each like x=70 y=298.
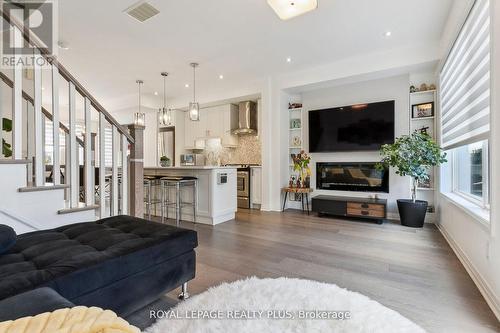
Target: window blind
x=465 y=82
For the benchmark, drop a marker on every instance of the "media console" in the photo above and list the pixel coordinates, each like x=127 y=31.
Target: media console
x=373 y=209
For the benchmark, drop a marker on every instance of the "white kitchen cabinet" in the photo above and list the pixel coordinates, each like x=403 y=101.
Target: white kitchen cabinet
x=217 y=121
x=255 y=187
x=230 y=122
x=189 y=132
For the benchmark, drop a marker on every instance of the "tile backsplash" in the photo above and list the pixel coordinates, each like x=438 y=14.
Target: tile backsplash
x=248 y=151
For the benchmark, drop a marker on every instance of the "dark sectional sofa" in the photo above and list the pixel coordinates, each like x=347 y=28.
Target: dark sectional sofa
x=120 y=263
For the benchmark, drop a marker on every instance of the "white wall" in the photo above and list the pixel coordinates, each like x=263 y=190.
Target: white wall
x=392 y=88
x=477 y=245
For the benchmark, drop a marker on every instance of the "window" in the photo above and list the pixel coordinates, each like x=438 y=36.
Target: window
x=471 y=172
x=465 y=113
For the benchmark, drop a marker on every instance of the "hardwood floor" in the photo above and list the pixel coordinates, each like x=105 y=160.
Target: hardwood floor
x=412 y=271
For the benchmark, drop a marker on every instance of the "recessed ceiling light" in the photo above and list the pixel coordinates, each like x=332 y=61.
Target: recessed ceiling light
x=155 y=93
x=388 y=34
x=63 y=45
x=288 y=59
x=286 y=9
x=43 y=88
x=186 y=85
x=221 y=76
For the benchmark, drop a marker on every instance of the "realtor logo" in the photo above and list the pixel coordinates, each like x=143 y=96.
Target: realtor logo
x=38 y=17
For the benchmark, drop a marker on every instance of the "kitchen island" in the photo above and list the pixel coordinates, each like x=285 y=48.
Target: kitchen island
x=217 y=198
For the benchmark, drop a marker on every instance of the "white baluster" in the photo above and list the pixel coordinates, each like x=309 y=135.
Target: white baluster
x=89 y=169
x=1 y=118
x=124 y=175
x=102 y=165
x=116 y=156
x=38 y=135
x=73 y=150
x=56 y=169
x=17 y=98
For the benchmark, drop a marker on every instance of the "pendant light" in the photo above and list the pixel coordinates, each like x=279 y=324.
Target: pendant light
x=165 y=114
x=139 y=117
x=194 y=107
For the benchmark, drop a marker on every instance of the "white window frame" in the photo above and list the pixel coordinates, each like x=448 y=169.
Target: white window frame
x=484 y=202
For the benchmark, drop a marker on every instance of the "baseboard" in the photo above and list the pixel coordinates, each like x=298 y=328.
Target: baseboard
x=481 y=283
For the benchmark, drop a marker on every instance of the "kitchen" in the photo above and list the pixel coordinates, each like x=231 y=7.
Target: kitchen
x=222 y=150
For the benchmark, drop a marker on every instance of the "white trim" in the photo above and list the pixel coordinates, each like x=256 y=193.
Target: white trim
x=479 y=214
x=481 y=283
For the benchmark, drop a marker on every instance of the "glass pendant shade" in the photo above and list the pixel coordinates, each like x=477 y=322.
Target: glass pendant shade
x=194 y=111
x=139 y=118
x=165 y=117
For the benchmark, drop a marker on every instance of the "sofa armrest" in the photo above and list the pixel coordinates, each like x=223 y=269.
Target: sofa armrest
x=31 y=303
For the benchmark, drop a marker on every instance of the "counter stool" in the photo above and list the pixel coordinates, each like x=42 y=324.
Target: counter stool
x=178 y=183
x=150 y=194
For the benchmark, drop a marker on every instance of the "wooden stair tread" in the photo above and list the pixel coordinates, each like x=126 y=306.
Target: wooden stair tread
x=14 y=161
x=47 y=187
x=81 y=208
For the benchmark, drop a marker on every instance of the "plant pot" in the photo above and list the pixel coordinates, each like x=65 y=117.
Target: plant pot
x=412 y=214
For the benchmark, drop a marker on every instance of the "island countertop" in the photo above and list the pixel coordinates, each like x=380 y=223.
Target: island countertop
x=216 y=200
x=188 y=167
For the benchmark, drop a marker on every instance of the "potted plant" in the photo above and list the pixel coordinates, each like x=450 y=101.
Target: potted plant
x=301 y=165
x=412 y=155
x=164 y=161
x=6 y=147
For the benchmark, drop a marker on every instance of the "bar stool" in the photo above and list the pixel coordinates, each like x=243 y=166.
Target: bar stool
x=177 y=183
x=150 y=193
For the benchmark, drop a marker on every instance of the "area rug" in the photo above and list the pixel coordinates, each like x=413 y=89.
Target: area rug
x=280 y=305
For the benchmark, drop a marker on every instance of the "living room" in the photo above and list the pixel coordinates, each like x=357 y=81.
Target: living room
x=312 y=165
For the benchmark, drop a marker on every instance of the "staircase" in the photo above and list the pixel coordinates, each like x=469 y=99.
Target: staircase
x=60 y=162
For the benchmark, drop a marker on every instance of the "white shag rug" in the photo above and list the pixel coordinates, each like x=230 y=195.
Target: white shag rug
x=278 y=305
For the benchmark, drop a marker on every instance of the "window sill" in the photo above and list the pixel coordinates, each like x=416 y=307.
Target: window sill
x=480 y=214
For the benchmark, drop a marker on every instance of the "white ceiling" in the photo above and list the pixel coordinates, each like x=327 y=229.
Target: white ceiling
x=242 y=39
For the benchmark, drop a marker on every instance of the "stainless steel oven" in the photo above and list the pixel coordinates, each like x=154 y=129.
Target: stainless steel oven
x=243 y=187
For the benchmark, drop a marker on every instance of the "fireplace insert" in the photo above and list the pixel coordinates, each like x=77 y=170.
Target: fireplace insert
x=359 y=177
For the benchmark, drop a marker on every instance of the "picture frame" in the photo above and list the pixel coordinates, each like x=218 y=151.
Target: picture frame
x=422 y=110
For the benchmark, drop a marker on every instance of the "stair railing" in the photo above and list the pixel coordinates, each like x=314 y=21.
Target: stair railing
x=117 y=180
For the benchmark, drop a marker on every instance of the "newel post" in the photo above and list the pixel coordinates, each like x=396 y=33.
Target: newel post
x=136 y=171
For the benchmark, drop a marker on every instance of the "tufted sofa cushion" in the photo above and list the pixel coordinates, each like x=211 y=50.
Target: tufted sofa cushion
x=80 y=258
x=7 y=238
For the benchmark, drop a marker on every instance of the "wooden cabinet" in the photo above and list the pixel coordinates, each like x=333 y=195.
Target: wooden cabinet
x=255 y=186
x=217 y=121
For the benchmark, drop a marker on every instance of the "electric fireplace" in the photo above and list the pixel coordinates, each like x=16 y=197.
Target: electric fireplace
x=358 y=177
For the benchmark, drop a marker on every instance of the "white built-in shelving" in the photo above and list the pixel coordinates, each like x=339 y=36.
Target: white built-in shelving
x=415 y=124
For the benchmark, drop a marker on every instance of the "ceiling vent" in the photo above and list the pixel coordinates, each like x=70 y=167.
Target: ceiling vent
x=142 y=11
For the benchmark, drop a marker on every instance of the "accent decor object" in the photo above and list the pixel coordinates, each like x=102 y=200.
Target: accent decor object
x=412 y=155
x=287 y=9
x=165 y=114
x=164 y=161
x=301 y=165
x=194 y=107
x=422 y=110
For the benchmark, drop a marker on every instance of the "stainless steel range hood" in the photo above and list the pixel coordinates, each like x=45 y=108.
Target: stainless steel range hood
x=247 y=118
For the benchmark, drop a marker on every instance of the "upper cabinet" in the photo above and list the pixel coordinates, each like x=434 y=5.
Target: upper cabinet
x=217 y=121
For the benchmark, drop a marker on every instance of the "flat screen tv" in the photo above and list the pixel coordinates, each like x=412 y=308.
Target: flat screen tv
x=360 y=127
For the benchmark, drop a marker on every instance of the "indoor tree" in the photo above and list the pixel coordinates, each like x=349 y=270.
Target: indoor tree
x=412 y=155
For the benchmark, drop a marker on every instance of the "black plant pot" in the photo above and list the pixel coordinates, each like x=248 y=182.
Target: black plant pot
x=412 y=214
